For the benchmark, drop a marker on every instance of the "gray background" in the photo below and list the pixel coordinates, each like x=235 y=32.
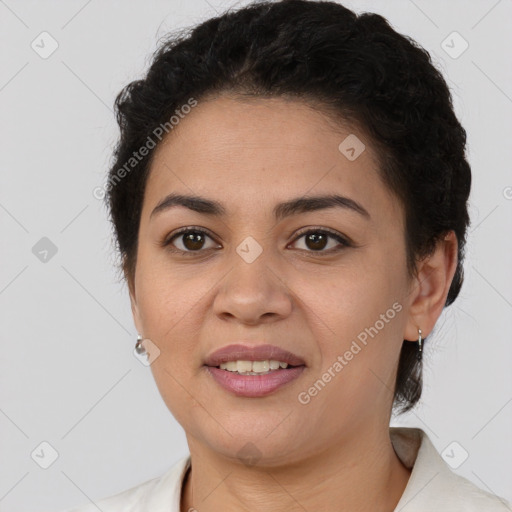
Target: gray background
x=68 y=375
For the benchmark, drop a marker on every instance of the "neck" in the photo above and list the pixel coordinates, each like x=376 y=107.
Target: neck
x=361 y=473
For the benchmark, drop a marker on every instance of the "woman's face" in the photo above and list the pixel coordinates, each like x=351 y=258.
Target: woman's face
x=257 y=279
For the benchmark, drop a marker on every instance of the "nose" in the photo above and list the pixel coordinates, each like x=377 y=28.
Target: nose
x=253 y=293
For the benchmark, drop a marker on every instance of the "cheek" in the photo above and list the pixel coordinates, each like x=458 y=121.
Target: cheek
x=350 y=300
x=173 y=327
x=166 y=296
x=171 y=304
x=359 y=324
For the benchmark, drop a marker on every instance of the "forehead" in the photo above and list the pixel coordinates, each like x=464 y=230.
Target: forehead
x=243 y=152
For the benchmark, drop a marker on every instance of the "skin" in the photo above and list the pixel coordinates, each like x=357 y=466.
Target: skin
x=250 y=155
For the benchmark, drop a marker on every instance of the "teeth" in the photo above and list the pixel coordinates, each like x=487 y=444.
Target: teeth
x=253 y=367
x=244 y=366
x=260 y=366
x=274 y=365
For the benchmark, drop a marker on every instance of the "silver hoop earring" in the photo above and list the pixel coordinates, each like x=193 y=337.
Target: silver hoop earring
x=138 y=346
x=420 y=350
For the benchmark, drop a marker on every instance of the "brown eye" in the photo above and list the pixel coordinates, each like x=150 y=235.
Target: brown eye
x=189 y=240
x=316 y=240
x=193 y=240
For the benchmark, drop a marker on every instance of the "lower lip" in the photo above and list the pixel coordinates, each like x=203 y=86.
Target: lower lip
x=254 y=385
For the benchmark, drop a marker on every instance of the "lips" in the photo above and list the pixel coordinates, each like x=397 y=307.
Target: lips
x=239 y=352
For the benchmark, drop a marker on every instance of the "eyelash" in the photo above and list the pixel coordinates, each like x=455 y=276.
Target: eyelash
x=325 y=231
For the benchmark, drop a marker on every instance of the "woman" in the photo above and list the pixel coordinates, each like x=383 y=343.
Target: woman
x=289 y=200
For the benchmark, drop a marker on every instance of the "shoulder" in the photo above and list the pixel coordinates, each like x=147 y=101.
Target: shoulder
x=156 y=494
x=454 y=493
x=476 y=499
x=129 y=500
x=433 y=485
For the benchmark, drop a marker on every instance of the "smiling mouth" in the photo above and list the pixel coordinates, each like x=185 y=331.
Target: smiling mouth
x=254 y=384
x=265 y=367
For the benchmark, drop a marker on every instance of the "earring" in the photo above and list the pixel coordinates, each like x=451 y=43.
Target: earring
x=138 y=346
x=420 y=351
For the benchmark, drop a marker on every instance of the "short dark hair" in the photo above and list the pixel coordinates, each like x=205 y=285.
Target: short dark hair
x=355 y=68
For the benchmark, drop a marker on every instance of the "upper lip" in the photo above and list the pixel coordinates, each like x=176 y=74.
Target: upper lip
x=239 y=352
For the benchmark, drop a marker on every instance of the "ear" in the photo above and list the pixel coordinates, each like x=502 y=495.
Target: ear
x=430 y=288
x=137 y=320
x=136 y=313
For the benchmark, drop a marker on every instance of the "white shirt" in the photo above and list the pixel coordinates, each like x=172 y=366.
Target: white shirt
x=432 y=486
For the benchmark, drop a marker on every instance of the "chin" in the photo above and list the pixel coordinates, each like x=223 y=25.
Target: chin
x=258 y=445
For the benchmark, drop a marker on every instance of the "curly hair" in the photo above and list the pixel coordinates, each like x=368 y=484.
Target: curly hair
x=356 y=69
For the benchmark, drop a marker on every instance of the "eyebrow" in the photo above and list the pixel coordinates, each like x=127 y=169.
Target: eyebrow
x=282 y=210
